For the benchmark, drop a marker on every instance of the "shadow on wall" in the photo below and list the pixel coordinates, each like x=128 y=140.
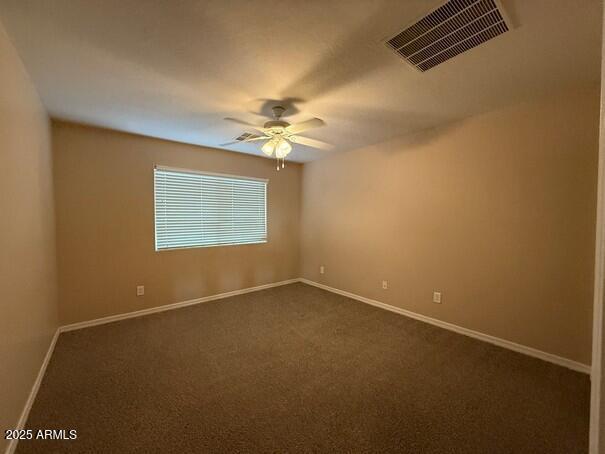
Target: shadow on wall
x=113 y=39
x=332 y=71
x=131 y=41
x=422 y=137
x=179 y=69
x=420 y=128
x=263 y=107
x=329 y=73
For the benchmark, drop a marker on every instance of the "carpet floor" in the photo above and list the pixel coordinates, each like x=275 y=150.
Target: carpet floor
x=299 y=369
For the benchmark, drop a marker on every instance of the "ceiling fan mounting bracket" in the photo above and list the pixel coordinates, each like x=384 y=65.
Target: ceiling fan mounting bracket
x=278 y=111
x=276 y=124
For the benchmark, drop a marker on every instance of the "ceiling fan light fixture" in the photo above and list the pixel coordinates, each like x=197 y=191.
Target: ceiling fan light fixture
x=269 y=147
x=282 y=149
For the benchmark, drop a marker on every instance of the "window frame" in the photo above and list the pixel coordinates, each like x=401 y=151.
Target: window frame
x=212 y=174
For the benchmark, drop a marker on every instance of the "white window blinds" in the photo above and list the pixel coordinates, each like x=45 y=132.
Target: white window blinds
x=194 y=209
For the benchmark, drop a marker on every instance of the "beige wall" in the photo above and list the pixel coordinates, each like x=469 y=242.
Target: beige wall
x=497 y=212
x=105 y=226
x=28 y=303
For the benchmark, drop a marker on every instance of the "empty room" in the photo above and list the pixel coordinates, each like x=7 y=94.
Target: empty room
x=333 y=226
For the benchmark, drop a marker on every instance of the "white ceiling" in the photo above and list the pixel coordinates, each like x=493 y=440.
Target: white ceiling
x=175 y=69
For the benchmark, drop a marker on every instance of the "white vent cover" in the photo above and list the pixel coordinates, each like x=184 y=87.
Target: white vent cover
x=451 y=29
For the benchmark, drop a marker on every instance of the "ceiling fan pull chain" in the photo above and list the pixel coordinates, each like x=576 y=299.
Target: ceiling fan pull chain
x=278 y=164
x=283 y=162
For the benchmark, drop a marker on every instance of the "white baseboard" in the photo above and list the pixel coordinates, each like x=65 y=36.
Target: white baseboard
x=559 y=360
x=168 y=307
x=12 y=446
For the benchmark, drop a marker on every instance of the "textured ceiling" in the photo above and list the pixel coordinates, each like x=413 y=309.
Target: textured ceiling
x=175 y=69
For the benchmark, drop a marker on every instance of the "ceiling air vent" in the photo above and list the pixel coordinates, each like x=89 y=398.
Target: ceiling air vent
x=451 y=29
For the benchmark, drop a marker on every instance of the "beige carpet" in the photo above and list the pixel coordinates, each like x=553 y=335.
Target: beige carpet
x=298 y=369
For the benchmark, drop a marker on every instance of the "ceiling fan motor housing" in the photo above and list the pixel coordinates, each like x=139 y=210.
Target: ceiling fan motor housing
x=276 y=124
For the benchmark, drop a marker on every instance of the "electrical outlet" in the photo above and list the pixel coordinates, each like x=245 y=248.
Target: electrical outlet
x=437 y=297
x=140 y=290
x=385 y=285
x=322 y=270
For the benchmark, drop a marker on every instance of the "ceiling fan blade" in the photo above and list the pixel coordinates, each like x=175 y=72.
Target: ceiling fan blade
x=303 y=126
x=313 y=143
x=226 y=144
x=250 y=139
x=242 y=122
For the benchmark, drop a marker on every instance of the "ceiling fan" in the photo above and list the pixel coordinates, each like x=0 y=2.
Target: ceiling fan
x=279 y=135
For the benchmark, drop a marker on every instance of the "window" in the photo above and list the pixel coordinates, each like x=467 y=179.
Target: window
x=195 y=209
